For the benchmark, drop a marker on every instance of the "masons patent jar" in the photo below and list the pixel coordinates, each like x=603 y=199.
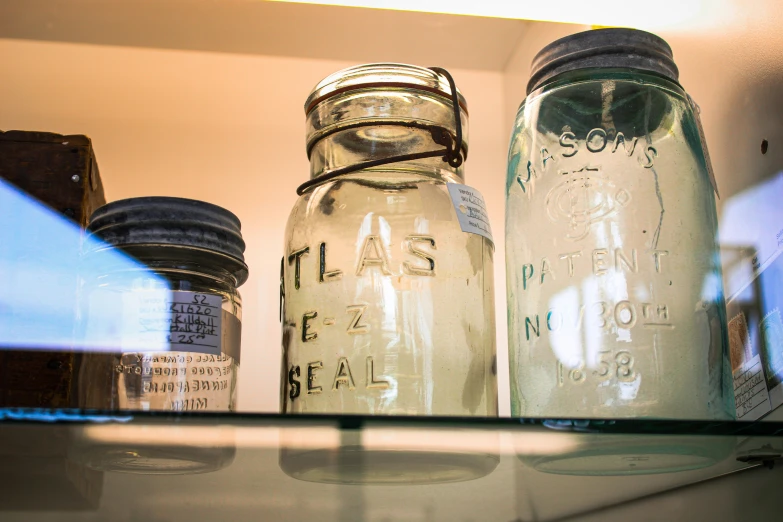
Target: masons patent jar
x=614 y=290
x=161 y=310
x=387 y=273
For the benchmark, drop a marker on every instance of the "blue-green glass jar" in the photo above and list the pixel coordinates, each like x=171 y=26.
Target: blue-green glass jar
x=614 y=290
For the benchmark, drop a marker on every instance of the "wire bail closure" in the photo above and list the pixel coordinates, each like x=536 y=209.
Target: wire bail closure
x=451 y=154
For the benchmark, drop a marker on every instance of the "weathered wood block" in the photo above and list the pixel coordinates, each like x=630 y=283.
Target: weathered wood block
x=61 y=172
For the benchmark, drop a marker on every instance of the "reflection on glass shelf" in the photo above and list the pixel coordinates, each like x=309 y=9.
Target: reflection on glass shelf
x=632 y=455
x=441 y=468
x=152 y=450
x=393 y=456
x=600 y=453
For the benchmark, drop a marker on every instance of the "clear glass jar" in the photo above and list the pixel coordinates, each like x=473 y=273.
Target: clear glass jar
x=182 y=298
x=388 y=301
x=614 y=290
x=160 y=326
x=161 y=319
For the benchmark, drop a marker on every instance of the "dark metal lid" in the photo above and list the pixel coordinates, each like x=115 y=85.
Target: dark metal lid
x=175 y=222
x=629 y=48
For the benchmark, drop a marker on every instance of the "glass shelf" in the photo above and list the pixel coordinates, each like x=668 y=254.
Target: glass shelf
x=71 y=465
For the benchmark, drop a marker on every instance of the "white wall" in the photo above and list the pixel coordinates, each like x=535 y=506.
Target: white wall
x=224 y=128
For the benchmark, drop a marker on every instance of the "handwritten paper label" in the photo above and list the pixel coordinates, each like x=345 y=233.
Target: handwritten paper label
x=750 y=390
x=471 y=210
x=172 y=321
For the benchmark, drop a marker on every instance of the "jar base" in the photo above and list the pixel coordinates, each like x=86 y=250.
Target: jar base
x=155 y=460
x=631 y=455
x=356 y=465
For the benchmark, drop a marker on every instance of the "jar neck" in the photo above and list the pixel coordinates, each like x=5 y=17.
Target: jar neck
x=606 y=73
x=172 y=264
x=175 y=271
x=373 y=124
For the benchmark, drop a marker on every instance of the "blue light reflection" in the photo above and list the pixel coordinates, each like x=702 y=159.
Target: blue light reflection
x=46 y=301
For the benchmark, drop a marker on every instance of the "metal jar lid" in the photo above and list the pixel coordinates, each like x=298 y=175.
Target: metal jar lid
x=173 y=222
x=622 y=48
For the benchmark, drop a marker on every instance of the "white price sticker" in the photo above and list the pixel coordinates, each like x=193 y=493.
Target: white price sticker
x=750 y=390
x=471 y=210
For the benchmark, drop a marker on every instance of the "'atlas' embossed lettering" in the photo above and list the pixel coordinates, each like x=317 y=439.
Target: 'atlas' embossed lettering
x=410 y=243
x=323 y=275
x=373 y=255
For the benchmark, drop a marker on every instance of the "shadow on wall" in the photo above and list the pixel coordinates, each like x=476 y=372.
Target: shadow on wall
x=751 y=141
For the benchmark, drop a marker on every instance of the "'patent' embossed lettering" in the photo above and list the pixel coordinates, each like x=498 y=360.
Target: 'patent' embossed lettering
x=601 y=261
x=570 y=256
x=546 y=268
x=527 y=274
x=619 y=258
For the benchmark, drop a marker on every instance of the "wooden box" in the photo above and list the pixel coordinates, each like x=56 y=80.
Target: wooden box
x=61 y=172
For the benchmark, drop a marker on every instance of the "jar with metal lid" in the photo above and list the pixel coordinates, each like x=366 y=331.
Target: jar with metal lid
x=387 y=275
x=161 y=313
x=615 y=298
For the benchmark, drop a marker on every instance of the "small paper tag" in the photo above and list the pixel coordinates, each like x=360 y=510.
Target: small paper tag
x=471 y=210
x=172 y=321
x=750 y=390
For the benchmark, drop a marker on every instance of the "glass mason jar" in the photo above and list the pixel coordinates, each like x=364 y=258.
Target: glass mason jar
x=388 y=301
x=163 y=333
x=615 y=298
x=387 y=276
